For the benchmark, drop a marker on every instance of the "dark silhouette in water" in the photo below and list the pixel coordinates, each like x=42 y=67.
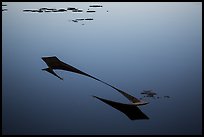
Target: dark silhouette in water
x=4 y=9
x=79 y=19
x=40 y=11
x=27 y=10
x=77 y=10
x=75 y=20
x=166 y=96
x=149 y=93
x=43 y=8
x=51 y=9
x=71 y=9
x=130 y=110
x=90 y=11
x=52 y=72
x=34 y=11
x=62 y=10
x=89 y=19
x=54 y=63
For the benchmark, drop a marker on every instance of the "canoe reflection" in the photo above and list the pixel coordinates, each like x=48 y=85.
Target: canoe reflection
x=130 y=110
x=54 y=63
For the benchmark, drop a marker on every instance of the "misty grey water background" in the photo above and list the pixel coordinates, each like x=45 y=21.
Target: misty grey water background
x=133 y=46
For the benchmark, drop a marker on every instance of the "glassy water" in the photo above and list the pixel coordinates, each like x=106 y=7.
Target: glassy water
x=133 y=46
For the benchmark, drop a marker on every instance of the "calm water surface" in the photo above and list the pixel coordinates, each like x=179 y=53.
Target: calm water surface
x=133 y=46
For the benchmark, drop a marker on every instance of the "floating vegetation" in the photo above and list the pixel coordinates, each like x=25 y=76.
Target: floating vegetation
x=77 y=10
x=74 y=20
x=3 y=5
x=62 y=10
x=80 y=19
x=166 y=96
x=95 y=6
x=90 y=11
x=72 y=9
x=45 y=10
x=89 y=19
x=149 y=93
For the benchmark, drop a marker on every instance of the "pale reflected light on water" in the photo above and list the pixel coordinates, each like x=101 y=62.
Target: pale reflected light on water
x=133 y=46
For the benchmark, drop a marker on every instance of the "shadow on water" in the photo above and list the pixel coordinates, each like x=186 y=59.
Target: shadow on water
x=130 y=110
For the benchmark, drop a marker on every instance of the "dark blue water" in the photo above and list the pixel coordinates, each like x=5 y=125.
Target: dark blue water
x=133 y=46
